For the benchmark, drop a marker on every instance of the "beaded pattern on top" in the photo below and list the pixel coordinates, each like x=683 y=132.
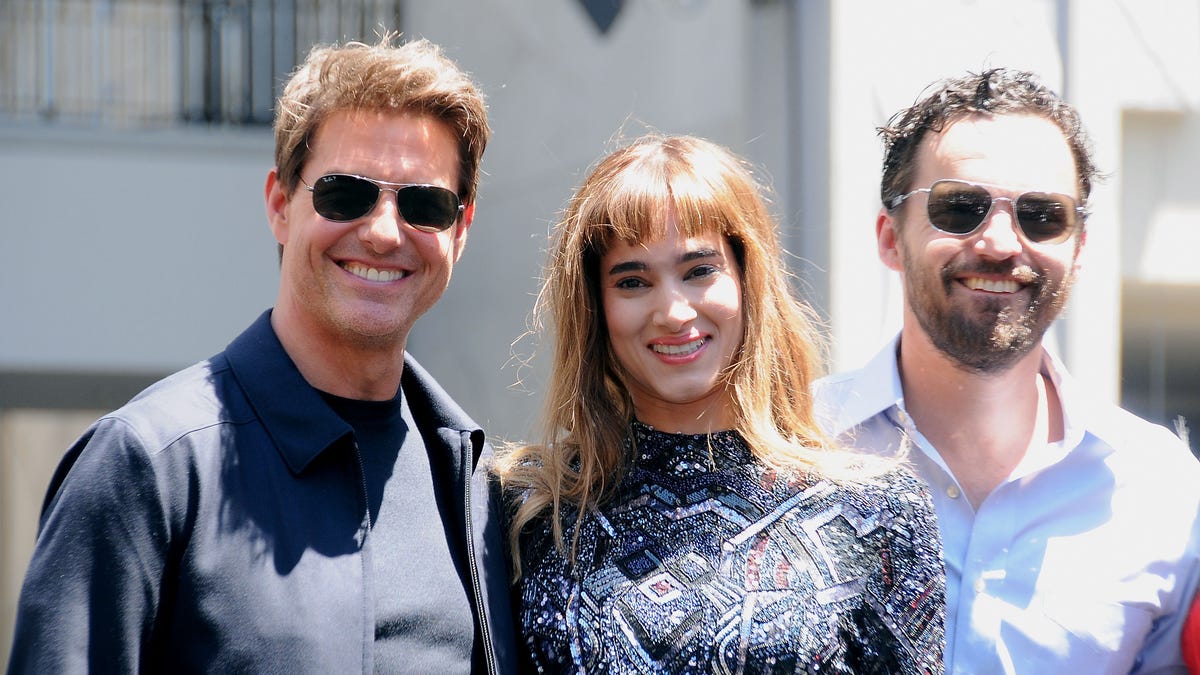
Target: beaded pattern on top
x=705 y=561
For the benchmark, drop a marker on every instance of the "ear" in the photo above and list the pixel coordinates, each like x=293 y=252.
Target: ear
x=460 y=230
x=277 y=202
x=888 y=240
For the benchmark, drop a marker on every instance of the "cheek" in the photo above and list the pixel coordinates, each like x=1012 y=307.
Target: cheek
x=1063 y=267
x=616 y=314
x=726 y=299
x=933 y=254
x=439 y=247
x=316 y=236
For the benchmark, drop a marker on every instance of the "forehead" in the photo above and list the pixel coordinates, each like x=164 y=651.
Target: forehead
x=1025 y=152
x=666 y=247
x=401 y=147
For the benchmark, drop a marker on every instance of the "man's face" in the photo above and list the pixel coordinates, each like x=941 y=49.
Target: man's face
x=984 y=299
x=363 y=283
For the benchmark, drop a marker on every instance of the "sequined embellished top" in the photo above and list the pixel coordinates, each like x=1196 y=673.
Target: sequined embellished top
x=705 y=561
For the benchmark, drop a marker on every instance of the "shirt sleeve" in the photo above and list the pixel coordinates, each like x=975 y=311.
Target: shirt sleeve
x=92 y=590
x=1162 y=651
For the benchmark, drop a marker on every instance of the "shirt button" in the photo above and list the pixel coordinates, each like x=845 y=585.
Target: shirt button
x=979 y=585
x=952 y=491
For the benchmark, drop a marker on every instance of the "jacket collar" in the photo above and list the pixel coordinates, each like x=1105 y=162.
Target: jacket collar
x=428 y=401
x=299 y=422
x=302 y=425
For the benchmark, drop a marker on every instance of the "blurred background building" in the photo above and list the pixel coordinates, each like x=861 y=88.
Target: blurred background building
x=135 y=139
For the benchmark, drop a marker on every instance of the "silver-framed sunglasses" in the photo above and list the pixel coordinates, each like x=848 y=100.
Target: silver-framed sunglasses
x=343 y=197
x=960 y=207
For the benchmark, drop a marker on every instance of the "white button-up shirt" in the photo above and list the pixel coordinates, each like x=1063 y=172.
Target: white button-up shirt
x=1084 y=560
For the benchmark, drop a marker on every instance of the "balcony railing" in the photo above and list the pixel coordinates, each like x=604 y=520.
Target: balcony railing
x=161 y=63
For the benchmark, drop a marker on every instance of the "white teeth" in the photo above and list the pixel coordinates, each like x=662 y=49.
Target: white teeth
x=991 y=285
x=372 y=274
x=679 y=350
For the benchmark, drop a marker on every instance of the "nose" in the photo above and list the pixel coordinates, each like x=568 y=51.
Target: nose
x=383 y=228
x=998 y=237
x=675 y=309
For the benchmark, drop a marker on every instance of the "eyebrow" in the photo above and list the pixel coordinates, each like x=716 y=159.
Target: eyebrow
x=639 y=266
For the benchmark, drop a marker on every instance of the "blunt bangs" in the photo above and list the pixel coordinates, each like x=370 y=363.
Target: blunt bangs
x=633 y=204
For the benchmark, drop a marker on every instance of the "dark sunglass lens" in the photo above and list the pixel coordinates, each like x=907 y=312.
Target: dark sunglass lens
x=427 y=207
x=1045 y=217
x=343 y=198
x=958 y=208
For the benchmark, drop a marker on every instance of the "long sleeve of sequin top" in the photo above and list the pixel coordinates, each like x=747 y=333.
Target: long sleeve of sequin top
x=706 y=562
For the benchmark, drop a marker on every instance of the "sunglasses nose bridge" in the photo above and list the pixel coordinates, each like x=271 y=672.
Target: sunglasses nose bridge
x=1010 y=207
x=384 y=223
x=394 y=200
x=400 y=211
x=1002 y=239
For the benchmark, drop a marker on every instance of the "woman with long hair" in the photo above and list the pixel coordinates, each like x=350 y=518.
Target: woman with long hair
x=683 y=512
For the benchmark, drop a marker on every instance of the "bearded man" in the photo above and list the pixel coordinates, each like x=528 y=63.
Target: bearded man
x=1069 y=526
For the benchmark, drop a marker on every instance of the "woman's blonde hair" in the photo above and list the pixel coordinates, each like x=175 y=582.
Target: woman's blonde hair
x=626 y=198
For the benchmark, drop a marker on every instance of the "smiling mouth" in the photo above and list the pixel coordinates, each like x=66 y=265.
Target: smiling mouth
x=679 y=350
x=992 y=285
x=372 y=274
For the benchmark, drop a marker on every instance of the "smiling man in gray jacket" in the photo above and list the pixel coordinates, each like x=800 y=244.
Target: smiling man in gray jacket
x=308 y=500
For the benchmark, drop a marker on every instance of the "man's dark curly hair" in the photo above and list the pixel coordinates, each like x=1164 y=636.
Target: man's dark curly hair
x=996 y=91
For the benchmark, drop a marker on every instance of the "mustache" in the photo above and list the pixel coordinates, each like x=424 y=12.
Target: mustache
x=1021 y=273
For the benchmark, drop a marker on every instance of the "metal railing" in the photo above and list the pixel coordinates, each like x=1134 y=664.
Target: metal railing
x=160 y=63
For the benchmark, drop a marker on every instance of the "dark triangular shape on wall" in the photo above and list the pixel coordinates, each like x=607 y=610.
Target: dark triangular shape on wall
x=602 y=12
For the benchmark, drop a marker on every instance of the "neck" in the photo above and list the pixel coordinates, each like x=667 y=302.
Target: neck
x=982 y=424
x=347 y=366
x=701 y=417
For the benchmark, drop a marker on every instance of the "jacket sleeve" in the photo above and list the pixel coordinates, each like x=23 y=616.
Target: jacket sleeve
x=92 y=590
x=1162 y=651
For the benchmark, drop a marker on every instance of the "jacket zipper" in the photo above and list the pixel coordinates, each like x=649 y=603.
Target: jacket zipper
x=489 y=655
x=362 y=476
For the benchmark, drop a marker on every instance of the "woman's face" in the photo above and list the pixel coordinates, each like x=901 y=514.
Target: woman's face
x=673 y=308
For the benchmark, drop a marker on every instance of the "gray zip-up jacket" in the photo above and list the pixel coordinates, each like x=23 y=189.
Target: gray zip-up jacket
x=218 y=522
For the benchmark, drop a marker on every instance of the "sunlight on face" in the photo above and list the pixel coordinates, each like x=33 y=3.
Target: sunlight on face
x=673 y=309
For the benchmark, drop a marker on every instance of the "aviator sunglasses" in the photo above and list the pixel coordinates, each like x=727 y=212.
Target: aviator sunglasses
x=959 y=207
x=342 y=197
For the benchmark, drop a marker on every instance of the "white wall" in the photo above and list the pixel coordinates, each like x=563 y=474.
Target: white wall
x=128 y=252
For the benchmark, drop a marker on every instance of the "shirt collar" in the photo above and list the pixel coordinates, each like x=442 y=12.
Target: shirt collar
x=876 y=388
x=847 y=400
x=1073 y=401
